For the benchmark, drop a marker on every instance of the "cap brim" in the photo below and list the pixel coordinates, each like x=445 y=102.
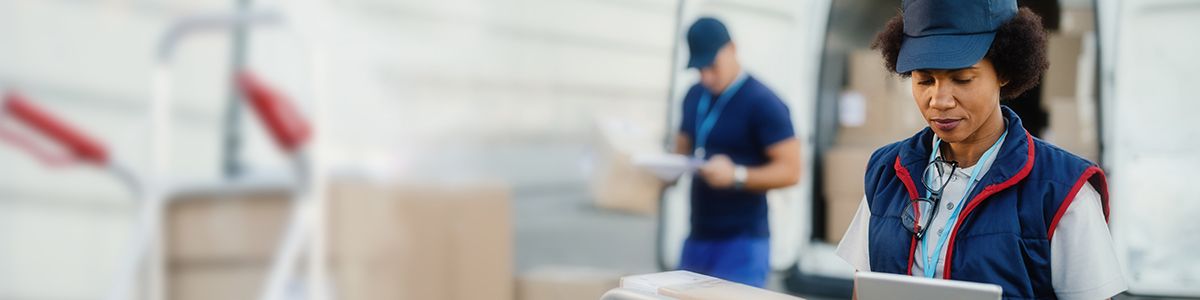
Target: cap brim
x=942 y=52
x=701 y=61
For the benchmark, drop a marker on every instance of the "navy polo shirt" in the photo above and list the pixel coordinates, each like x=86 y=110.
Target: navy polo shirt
x=753 y=120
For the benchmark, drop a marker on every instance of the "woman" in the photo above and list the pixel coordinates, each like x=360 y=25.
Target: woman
x=974 y=197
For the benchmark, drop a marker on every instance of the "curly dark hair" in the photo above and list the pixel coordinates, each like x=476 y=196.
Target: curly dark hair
x=1018 y=52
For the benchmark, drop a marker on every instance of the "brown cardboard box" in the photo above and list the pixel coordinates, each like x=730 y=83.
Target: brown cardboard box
x=844 y=169
x=1077 y=21
x=617 y=183
x=839 y=213
x=449 y=241
x=889 y=111
x=216 y=281
x=868 y=73
x=1063 y=51
x=1070 y=130
x=560 y=282
x=235 y=223
x=219 y=240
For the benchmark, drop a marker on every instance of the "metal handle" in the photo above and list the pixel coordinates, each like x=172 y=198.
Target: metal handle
x=283 y=121
x=79 y=144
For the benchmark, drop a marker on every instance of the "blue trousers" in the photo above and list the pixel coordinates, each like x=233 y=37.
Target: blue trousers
x=744 y=260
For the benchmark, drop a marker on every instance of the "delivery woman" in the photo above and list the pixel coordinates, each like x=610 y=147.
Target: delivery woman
x=974 y=197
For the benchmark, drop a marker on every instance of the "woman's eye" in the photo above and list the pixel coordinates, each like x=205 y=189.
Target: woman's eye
x=964 y=80
x=925 y=81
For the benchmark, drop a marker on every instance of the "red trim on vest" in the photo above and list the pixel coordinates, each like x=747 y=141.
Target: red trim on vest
x=906 y=178
x=987 y=192
x=1100 y=183
x=1086 y=177
x=912 y=252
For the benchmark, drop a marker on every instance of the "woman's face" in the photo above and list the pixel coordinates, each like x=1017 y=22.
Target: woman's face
x=957 y=103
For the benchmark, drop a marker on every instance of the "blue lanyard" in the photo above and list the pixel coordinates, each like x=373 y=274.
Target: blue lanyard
x=707 y=119
x=931 y=258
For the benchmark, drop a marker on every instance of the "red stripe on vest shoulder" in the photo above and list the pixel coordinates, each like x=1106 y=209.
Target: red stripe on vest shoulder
x=1087 y=176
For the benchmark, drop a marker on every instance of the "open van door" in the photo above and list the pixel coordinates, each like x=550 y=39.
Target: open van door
x=1149 y=87
x=780 y=43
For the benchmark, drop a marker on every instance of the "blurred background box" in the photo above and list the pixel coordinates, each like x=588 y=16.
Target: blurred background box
x=387 y=241
x=566 y=282
x=216 y=281
x=844 y=169
x=883 y=101
x=436 y=241
x=1060 y=80
x=220 y=239
x=215 y=224
x=616 y=182
x=1070 y=130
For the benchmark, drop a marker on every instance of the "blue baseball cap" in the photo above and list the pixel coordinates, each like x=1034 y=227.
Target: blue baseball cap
x=705 y=38
x=950 y=34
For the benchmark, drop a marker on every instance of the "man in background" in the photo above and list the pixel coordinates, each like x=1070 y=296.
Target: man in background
x=744 y=132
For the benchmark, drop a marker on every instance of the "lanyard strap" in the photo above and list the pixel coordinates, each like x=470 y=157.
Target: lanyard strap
x=931 y=258
x=707 y=119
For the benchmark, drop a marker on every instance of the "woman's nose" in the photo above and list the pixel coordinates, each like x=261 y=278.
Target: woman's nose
x=943 y=96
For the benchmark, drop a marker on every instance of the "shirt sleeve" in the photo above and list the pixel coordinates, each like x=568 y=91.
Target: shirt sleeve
x=1083 y=262
x=773 y=122
x=853 y=247
x=687 y=123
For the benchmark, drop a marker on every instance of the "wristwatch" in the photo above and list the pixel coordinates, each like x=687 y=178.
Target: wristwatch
x=739 y=177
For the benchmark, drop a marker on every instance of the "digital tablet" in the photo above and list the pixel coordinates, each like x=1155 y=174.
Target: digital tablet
x=873 y=286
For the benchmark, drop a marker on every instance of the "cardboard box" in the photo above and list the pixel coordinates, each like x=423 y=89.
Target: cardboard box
x=617 y=183
x=451 y=241
x=684 y=285
x=561 y=282
x=236 y=223
x=1077 y=21
x=844 y=169
x=1071 y=130
x=887 y=106
x=219 y=239
x=216 y=281
x=1060 y=81
x=839 y=212
x=867 y=72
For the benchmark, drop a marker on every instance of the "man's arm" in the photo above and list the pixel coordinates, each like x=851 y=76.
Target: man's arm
x=683 y=144
x=782 y=169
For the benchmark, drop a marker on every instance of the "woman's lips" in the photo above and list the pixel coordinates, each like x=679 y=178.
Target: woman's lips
x=946 y=124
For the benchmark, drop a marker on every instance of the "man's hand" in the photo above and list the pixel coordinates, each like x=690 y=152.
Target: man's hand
x=718 y=171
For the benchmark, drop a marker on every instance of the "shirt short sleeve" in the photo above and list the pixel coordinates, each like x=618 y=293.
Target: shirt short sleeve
x=853 y=247
x=772 y=122
x=687 y=124
x=1083 y=262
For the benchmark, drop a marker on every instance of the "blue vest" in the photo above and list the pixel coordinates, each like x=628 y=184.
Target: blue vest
x=1002 y=236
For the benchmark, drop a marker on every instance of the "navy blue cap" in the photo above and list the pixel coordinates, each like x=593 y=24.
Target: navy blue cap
x=950 y=34
x=705 y=38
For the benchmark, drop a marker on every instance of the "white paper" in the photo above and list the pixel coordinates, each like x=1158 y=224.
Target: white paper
x=652 y=282
x=666 y=166
x=852 y=109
